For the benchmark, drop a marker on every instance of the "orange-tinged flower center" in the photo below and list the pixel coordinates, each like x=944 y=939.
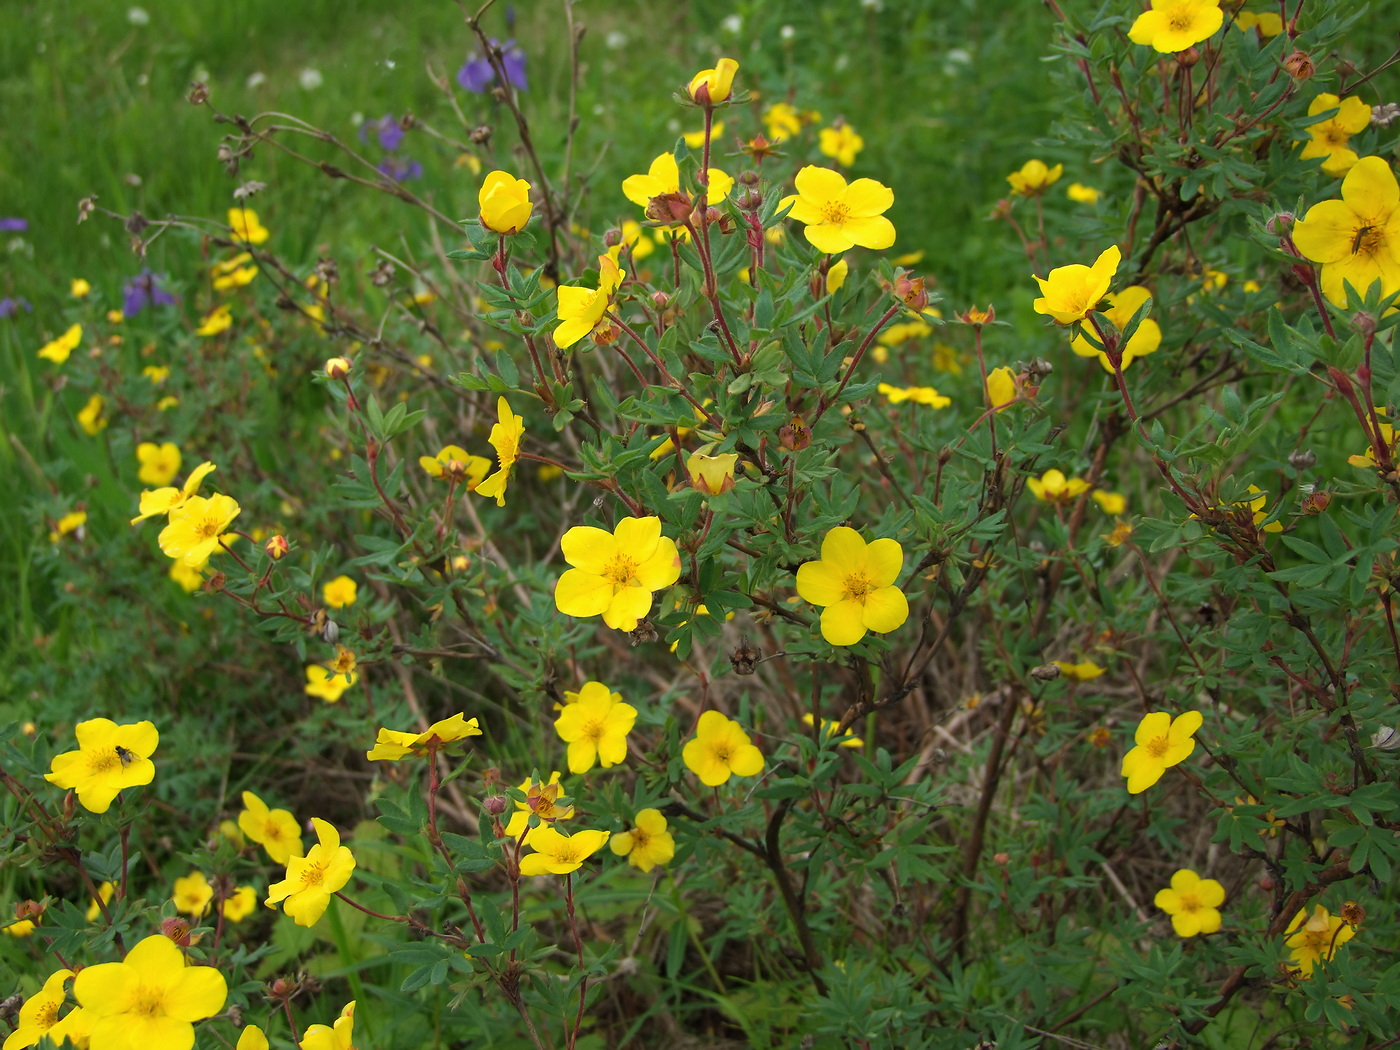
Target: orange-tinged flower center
x=104 y=761
x=1157 y=746
x=209 y=528
x=858 y=585
x=47 y=1016
x=836 y=213
x=622 y=570
x=1190 y=902
x=148 y=1001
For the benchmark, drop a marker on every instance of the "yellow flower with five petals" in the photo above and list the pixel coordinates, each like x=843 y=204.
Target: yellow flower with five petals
x=615 y=573
x=838 y=216
x=854 y=582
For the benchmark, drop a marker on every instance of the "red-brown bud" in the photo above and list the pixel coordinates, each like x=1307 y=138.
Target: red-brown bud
x=669 y=207
x=276 y=547
x=178 y=930
x=795 y=436
x=911 y=292
x=1299 y=65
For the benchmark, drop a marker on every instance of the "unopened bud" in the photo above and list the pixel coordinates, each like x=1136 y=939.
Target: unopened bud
x=337 y=368
x=712 y=475
x=1299 y=65
x=612 y=237
x=495 y=804
x=1317 y=502
x=660 y=300
x=1280 y=222
x=178 y=930
x=750 y=200
x=1001 y=860
x=1188 y=58
x=911 y=292
x=276 y=547
x=481 y=135
x=29 y=909
x=795 y=436
x=215 y=583
x=669 y=207
x=1302 y=459
x=748 y=178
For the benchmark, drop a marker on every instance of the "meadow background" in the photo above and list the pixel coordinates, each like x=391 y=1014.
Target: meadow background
x=950 y=97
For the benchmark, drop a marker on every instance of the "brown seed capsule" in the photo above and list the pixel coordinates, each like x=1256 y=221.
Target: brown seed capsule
x=744 y=658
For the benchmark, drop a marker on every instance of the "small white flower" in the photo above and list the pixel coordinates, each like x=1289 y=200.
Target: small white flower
x=958 y=57
x=257 y=79
x=616 y=40
x=138 y=16
x=873 y=5
x=786 y=33
x=389 y=63
x=310 y=79
x=732 y=23
x=842 y=61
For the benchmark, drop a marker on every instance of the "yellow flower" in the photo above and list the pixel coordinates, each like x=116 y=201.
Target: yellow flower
x=1329 y=138
x=275 y=830
x=1368 y=458
x=1122 y=306
x=236 y=278
x=159 y=463
x=828 y=729
x=1357 y=238
x=190 y=578
x=1162 y=742
x=1192 y=902
x=1175 y=25
x=340 y=592
x=1054 y=487
x=921 y=395
x=1002 y=391
x=1034 y=178
x=90 y=416
x=109 y=758
x=841 y=143
x=312 y=879
x=246 y=228
x=581 y=309
x=72 y=522
x=712 y=475
x=58 y=349
x=79 y=288
x=239 y=906
x=193 y=894
x=157 y=374
x=632 y=236
x=167 y=402
x=216 y=321
x=1082 y=194
x=713 y=85
x=539 y=801
x=39 y=1013
x=505 y=203
x=721 y=749
x=595 y=727
x=326 y=685
x=898 y=334
x=105 y=892
x=836 y=276
x=505 y=439
x=782 y=121
x=664 y=178
x=150 y=1000
x=614 y=574
x=854 y=581
x=1109 y=502
x=1086 y=671
x=1316 y=939
x=327 y=1037
x=115 y=317
x=1072 y=292
x=838 y=216
x=163 y=501
x=1256 y=504
x=196 y=527
x=1269 y=23
x=391 y=745
x=558 y=854
x=647 y=844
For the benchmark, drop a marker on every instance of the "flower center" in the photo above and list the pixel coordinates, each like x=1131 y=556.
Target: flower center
x=722 y=752
x=1190 y=903
x=1318 y=942
x=1368 y=240
x=1182 y=17
x=640 y=839
x=208 y=529
x=313 y=875
x=622 y=570
x=1157 y=746
x=47 y=1016
x=836 y=213
x=593 y=730
x=148 y=1001
x=858 y=585
x=104 y=761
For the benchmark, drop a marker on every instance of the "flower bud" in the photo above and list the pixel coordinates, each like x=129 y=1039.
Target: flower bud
x=1299 y=65
x=29 y=909
x=660 y=300
x=337 y=368
x=1001 y=860
x=1188 y=58
x=276 y=547
x=1316 y=502
x=495 y=804
x=612 y=238
x=795 y=436
x=1280 y=222
x=1046 y=672
x=669 y=207
x=712 y=475
x=748 y=178
x=972 y=315
x=178 y=930
x=911 y=292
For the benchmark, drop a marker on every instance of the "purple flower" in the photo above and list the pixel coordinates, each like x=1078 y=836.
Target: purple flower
x=13 y=225
x=477 y=75
x=400 y=169
x=387 y=129
x=9 y=307
x=144 y=290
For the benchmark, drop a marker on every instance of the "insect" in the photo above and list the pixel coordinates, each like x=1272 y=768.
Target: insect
x=126 y=755
x=1360 y=237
